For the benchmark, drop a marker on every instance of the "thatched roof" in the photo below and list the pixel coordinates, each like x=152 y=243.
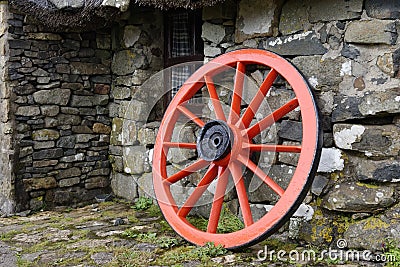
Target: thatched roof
x=54 y=14
x=91 y=14
x=167 y=4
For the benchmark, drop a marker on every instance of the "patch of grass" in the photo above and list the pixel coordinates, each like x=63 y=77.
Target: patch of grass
x=189 y=253
x=392 y=253
x=161 y=241
x=143 y=203
x=9 y=235
x=228 y=222
x=132 y=259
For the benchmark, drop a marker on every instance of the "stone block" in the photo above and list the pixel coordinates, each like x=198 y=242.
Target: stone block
x=84 y=138
x=301 y=44
x=335 y=10
x=45 y=135
x=67 y=173
x=319 y=184
x=97 y=182
x=83 y=68
x=371 y=32
x=137 y=110
x=376 y=171
x=291 y=130
x=376 y=141
x=127 y=61
x=358 y=197
x=213 y=33
x=147 y=136
x=40 y=183
x=294 y=17
x=131 y=35
x=101 y=128
x=42 y=145
x=182 y=134
x=101 y=89
x=383 y=9
x=50 y=111
x=121 y=92
x=124 y=185
x=256 y=18
x=52 y=97
x=134 y=159
x=331 y=160
x=129 y=133
x=69 y=182
x=116 y=131
x=28 y=111
x=210 y=51
x=323 y=74
x=289 y=158
x=81 y=101
x=66 y=141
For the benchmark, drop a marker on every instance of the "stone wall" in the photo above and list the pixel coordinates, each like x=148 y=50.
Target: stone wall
x=7 y=203
x=60 y=86
x=350 y=54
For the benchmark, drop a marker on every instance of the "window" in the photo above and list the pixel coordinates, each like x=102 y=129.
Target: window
x=183 y=43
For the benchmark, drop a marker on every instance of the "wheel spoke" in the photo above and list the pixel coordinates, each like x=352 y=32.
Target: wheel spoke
x=198 y=191
x=219 y=112
x=275 y=148
x=198 y=165
x=180 y=145
x=272 y=118
x=191 y=115
x=237 y=93
x=216 y=207
x=264 y=177
x=241 y=192
x=258 y=98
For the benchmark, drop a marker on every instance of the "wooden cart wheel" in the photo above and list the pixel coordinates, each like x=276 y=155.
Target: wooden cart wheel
x=224 y=147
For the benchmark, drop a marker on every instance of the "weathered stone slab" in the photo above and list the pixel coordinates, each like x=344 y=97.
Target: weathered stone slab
x=381 y=171
x=124 y=185
x=40 y=183
x=45 y=135
x=331 y=160
x=335 y=10
x=55 y=97
x=291 y=130
x=97 y=182
x=131 y=35
x=256 y=19
x=69 y=182
x=213 y=33
x=134 y=159
x=383 y=9
x=358 y=197
x=294 y=17
x=48 y=154
x=84 y=68
x=371 y=32
x=301 y=44
x=28 y=111
x=378 y=141
x=127 y=61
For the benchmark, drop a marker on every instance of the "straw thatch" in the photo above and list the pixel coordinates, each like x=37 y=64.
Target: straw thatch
x=167 y=4
x=90 y=15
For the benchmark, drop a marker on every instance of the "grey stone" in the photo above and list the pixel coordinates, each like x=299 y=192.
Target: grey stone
x=291 y=130
x=48 y=153
x=210 y=51
x=81 y=101
x=346 y=108
x=294 y=17
x=45 y=144
x=357 y=197
x=73 y=158
x=28 y=111
x=121 y=92
x=386 y=63
x=331 y=160
x=134 y=159
x=301 y=44
x=256 y=19
x=384 y=9
x=55 y=97
x=371 y=32
x=213 y=33
x=147 y=136
x=70 y=172
x=48 y=86
x=131 y=35
x=382 y=140
x=83 y=68
x=45 y=135
x=136 y=111
x=50 y=111
x=124 y=185
x=324 y=73
x=289 y=158
x=373 y=233
x=127 y=61
x=101 y=258
x=183 y=134
x=66 y=141
x=24 y=89
x=97 y=182
x=380 y=171
x=260 y=192
x=40 y=183
x=279 y=97
x=84 y=138
x=335 y=10
x=69 y=182
x=319 y=184
x=350 y=51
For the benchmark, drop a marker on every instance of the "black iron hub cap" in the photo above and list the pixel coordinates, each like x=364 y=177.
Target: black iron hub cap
x=214 y=141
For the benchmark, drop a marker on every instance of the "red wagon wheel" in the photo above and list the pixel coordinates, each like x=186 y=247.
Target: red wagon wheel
x=224 y=147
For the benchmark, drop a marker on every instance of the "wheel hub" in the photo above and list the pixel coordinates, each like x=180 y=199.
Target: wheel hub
x=214 y=141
